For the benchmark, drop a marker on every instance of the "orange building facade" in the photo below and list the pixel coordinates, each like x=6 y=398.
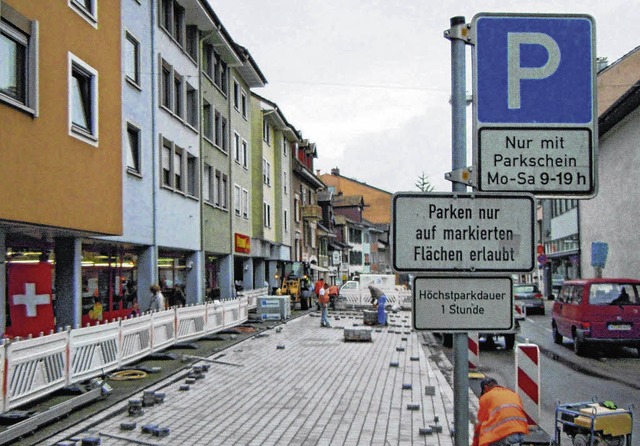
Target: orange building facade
x=377 y=201
x=60 y=109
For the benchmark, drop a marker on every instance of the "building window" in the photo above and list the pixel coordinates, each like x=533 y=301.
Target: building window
x=207 y=183
x=355 y=258
x=87 y=9
x=284 y=182
x=220 y=191
x=220 y=72
x=83 y=100
x=285 y=220
x=132 y=59
x=207 y=61
x=165 y=86
x=266 y=132
x=220 y=128
x=237 y=203
x=192 y=106
x=166 y=163
x=266 y=172
x=191 y=42
x=192 y=175
x=266 y=211
x=355 y=235
x=236 y=95
x=245 y=203
x=178 y=24
x=296 y=208
x=207 y=120
x=172 y=20
x=284 y=147
x=18 y=67
x=245 y=154
x=236 y=147
x=243 y=104
x=177 y=94
x=133 y=154
x=177 y=169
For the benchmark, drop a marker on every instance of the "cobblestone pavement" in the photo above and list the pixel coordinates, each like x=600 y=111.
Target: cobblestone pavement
x=299 y=384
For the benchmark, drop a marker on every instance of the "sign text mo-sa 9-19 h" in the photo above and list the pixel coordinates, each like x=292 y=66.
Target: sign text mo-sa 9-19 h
x=535 y=117
x=459 y=232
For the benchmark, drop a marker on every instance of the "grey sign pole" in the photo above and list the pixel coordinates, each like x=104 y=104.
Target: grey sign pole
x=457 y=35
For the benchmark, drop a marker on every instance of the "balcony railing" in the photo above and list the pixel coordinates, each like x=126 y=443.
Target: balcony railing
x=311 y=212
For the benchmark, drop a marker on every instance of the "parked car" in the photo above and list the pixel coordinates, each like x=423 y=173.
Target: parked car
x=529 y=297
x=598 y=312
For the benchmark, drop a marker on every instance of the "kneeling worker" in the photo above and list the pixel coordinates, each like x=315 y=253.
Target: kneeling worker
x=501 y=420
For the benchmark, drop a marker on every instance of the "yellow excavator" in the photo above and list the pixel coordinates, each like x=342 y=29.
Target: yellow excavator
x=294 y=280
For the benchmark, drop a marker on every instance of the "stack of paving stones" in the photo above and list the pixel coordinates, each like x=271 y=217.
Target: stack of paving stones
x=316 y=389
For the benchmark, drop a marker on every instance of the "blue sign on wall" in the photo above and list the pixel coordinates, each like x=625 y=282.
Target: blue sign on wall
x=534 y=69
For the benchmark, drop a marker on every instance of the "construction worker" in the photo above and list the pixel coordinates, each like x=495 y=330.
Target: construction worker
x=333 y=295
x=316 y=288
x=501 y=419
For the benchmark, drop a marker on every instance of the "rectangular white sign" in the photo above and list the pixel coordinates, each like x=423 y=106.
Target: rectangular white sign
x=463 y=304
x=462 y=232
x=535 y=160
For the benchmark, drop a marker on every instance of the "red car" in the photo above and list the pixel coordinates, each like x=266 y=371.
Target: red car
x=596 y=312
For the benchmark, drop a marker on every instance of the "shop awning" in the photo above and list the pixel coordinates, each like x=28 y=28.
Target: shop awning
x=318 y=268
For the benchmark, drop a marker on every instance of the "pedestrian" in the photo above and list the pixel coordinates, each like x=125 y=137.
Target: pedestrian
x=501 y=419
x=317 y=287
x=382 y=313
x=323 y=300
x=179 y=296
x=333 y=295
x=157 y=299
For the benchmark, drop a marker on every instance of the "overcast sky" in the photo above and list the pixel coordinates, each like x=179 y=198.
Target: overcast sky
x=369 y=80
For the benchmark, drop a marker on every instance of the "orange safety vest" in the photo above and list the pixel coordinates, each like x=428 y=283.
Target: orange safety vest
x=500 y=414
x=323 y=298
x=333 y=290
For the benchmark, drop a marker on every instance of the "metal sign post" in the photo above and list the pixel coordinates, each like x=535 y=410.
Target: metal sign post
x=457 y=34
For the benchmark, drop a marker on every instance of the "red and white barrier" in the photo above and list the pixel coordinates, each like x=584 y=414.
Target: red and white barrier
x=93 y=350
x=474 y=350
x=135 y=338
x=528 y=380
x=190 y=322
x=33 y=368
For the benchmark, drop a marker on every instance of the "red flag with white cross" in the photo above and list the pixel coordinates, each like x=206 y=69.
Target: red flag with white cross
x=30 y=299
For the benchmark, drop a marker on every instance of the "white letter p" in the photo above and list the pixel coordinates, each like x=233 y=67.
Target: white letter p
x=516 y=73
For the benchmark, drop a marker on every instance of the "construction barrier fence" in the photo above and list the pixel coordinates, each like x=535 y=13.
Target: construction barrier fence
x=35 y=367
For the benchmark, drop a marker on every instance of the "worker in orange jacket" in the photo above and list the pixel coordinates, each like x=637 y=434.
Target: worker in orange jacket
x=501 y=419
x=333 y=295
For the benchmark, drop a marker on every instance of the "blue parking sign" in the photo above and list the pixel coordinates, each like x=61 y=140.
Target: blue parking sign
x=534 y=69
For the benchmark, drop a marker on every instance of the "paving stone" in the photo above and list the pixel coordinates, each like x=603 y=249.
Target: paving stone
x=274 y=399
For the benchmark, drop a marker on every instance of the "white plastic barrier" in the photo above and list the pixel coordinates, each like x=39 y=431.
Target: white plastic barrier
x=215 y=316
x=362 y=298
x=35 y=368
x=231 y=311
x=135 y=338
x=243 y=310
x=253 y=295
x=163 y=330
x=190 y=322
x=93 y=351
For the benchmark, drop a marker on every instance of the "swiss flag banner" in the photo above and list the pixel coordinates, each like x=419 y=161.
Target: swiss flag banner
x=30 y=300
